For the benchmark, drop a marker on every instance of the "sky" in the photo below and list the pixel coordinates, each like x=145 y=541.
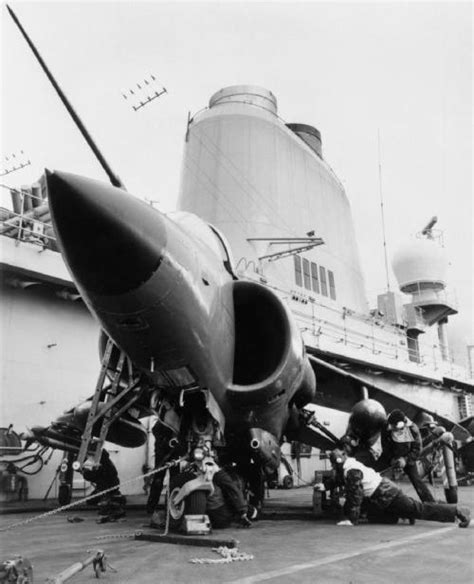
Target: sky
x=401 y=70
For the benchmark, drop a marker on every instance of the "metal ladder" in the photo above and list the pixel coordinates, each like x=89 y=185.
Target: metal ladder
x=105 y=412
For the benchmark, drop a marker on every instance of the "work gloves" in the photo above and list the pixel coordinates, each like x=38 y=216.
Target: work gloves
x=245 y=521
x=399 y=463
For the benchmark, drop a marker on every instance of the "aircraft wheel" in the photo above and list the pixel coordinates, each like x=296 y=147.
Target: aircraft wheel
x=287 y=482
x=451 y=494
x=64 y=494
x=194 y=504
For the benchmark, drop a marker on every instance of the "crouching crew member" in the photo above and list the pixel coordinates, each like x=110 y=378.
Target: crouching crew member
x=227 y=502
x=104 y=477
x=401 y=447
x=111 y=505
x=365 y=484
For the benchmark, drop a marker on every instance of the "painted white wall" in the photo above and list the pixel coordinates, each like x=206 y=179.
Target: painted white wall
x=49 y=363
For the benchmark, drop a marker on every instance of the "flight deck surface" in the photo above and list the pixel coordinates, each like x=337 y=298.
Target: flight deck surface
x=288 y=545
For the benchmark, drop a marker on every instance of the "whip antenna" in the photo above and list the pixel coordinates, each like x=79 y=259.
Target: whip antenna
x=383 y=216
x=114 y=179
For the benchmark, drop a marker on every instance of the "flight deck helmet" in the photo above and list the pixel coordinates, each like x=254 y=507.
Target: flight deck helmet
x=425 y=420
x=396 y=420
x=337 y=457
x=366 y=421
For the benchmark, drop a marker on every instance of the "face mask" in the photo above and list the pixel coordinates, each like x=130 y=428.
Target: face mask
x=398 y=427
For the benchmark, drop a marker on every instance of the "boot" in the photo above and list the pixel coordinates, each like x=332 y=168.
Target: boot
x=464 y=516
x=252 y=512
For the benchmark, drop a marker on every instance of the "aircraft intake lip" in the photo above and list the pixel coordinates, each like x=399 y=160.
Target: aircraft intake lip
x=111 y=241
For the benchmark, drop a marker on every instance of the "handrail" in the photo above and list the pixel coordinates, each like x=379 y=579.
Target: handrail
x=20 y=226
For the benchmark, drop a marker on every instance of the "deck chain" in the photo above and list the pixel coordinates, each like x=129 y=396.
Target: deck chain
x=228 y=555
x=118 y=536
x=89 y=497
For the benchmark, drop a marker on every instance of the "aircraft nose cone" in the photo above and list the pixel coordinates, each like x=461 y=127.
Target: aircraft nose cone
x=111 y=241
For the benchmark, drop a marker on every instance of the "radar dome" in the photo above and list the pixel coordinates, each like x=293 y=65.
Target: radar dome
x=419 y=265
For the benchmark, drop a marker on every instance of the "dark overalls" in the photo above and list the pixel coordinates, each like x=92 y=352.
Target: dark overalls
x=410 y=450
x=227 y=501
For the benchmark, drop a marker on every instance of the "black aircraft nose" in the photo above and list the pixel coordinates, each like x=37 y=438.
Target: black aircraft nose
x=111 y=241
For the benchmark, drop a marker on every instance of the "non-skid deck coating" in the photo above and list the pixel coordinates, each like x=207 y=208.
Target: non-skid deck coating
x=286 y=550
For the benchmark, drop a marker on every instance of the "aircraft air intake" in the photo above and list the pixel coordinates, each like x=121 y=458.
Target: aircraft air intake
x=269 y=358
x=261 y=333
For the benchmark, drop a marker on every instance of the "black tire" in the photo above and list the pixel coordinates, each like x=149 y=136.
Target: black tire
x=64 y=494
x=194 y=504
x=287 y=482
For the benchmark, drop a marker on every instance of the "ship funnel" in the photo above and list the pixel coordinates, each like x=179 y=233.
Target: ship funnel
x=310 y=136
x=248 y=94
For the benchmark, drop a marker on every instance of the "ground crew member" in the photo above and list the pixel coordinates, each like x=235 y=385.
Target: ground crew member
x=439 y=451
x=367 y=421
x=429 y=429
x=111 y=506
x=227 y=501
x=162 y=454
x=167 y=447
x=401 y=448
x=365 y=484
x=104 y=477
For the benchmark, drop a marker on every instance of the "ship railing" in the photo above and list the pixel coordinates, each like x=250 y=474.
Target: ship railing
x=32 y=224
x=338 y=334
x=445 y=295
x=344 y=333
x=349 y=337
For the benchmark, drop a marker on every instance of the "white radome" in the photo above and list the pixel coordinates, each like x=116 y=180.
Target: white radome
x=420 y=263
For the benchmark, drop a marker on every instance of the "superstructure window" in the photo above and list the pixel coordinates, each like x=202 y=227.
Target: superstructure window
x=314 y=277
x=413 y=347
x=465 y=406
x=322 y=277
x=332 y=285
x=306 y=275
x=298 y=274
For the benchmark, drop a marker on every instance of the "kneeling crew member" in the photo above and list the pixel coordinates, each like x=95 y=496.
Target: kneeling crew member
x=227 y=501
x=362 y=482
